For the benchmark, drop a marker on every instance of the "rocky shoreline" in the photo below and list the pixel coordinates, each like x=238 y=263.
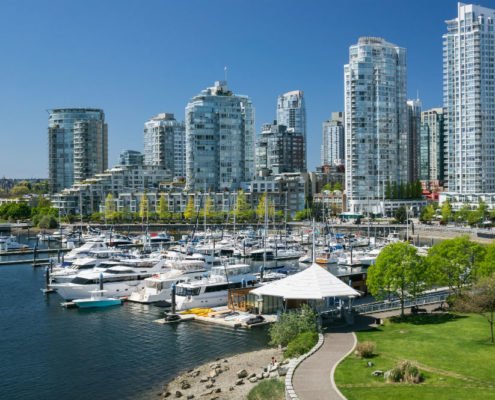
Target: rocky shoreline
x=226 y=378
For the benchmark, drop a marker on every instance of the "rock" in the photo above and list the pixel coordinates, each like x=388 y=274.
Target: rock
x=167 y=394
x=191 y=370
x=185 y=385
x=387 y=374
x=370 y=364
x=215 y=366
x=209 y=386
x=273 y=374
x=239 y=382
x=194 y=374
x=252 y=375
x=282 y=371
x=377 y=373
x=259 y=376
x=159 y=394
x=242 y=373
x=218 y=390
x=190 y=396
x=265 y=369
x=231 y=388
x=178 y=393
x=226 y=368
x=213 y=373
x=225 y=360
x=266 y=375
x=204 y=379
x=253 y=379
x=217 y=359
x=206 y=393
x=212 y=380
x=218 y=370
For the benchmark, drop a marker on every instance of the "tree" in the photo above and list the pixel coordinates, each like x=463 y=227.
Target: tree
x=409 y=192
x=418 y=190
x=260 y=210
x=210 y=213
x=110 y=208
x=463 y=214
x=402 y=191
x=326 y=187
x=487 y=266
x=455 y=262
x=479 y=300
x=337 y=186
x=242 y=209
x=143 y=206
x=395 y=191
x=302 y=215
x=163 y=210
x=426 y=214
x=400 y=215
x=446 y=210
x=388 y=191
x=291 y=324
x=189 y=211
x=19 y=190
x=398 y=270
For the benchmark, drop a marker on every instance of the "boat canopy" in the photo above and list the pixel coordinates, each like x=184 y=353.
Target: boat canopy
x=313 y=283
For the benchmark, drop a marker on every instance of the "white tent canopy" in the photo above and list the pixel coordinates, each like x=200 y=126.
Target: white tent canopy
x=314 y=283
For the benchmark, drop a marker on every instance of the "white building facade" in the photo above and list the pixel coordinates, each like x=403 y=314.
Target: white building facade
x=469 y=100
x=376 y=127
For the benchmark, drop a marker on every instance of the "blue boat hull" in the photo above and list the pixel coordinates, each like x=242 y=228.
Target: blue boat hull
x=97 y=303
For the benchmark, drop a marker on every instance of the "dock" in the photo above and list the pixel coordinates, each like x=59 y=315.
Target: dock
x=38 y=263
x=31 y=251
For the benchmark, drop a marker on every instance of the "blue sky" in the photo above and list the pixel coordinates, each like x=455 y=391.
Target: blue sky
x=136 y=59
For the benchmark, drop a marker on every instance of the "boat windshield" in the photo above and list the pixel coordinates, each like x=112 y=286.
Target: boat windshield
x=187 y=291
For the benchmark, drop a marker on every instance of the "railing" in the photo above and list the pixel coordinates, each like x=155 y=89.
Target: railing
x=395 y=304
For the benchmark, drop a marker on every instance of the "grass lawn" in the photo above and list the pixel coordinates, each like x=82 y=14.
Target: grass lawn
x=453 y=352
x=271 y=389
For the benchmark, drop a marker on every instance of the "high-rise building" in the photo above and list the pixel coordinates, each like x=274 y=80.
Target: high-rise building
x=219 y=139
x=376 y=129
x=279 y=150
x=131 y=157
x=333 y=144
x=431 y=153
x=291 y=112
x=165 y=144
x=413 y=139
x=469 y=100
x=77 y=145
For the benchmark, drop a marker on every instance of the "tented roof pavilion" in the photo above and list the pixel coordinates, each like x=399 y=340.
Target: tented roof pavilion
x=314 y=283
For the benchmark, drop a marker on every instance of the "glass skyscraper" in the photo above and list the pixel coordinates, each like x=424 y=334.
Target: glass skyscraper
x=469 y=100
x=333 y=145
x=220 y=138
x=165 y=144
x=431 y=154
x=77 y=146
x=413 y=139
x=376 y=126
x=291 y=112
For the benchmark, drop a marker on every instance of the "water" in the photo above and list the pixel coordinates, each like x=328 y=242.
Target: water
x=117 y=353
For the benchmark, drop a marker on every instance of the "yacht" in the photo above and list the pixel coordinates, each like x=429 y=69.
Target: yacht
x=213 y=291
x=9 y=243
x=120 y=280
x=158 y=288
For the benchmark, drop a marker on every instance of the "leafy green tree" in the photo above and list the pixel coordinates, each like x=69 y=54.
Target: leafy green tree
x=337 y=186
x=210 y=212
x=446 y=210
x=463 y=214
x=47 y=222
x=455 y=262
x=260 y=210
x=143 y=206
x=487 y=266
x=242 y=209
x=398 y=270
x=326 y=187
x=388 y=191
x=302 y=215
x=291 y=324
x=418 y=190
x=163 y=209
x=400 y=215
x=479 y=300
x=426 y=214
x=402 y=191
x=189 y=212
x=110 y=208
x=395 y=191
x=19 y=190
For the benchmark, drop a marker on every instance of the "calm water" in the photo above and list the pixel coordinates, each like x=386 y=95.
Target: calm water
x=47 y=352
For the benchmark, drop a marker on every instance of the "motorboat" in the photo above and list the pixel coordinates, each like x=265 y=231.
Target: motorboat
x=97 y=300
x=158 y=288
x=213 y=291
x=8 y=243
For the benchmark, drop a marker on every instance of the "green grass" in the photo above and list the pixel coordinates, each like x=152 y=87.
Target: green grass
x=271 y=389
x=454 y=354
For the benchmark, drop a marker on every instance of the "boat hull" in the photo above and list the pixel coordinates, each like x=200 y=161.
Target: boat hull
x=90 y=303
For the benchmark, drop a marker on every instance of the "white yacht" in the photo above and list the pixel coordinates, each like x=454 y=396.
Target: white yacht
x=158 y=288
x=9 y=243
x=213 y=291
x=120 y=280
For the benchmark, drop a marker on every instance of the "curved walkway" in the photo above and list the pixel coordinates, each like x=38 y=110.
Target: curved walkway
x=313 y=379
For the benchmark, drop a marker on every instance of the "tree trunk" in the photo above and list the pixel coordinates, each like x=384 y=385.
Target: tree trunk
x=491 y=327
x=402 y=306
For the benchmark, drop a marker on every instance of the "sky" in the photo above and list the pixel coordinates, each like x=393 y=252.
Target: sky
x=135 y=59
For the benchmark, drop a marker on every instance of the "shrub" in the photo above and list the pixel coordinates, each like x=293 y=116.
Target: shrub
x=366 y=349
x=271 y=389
x=47 y=222
x=303 y=343
x=293 y=323
x=406 y=372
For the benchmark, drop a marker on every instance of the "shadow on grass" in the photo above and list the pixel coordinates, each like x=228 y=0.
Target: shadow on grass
x=426 y=319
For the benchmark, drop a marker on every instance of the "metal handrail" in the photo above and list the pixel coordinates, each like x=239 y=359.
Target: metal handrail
x=395 y=304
